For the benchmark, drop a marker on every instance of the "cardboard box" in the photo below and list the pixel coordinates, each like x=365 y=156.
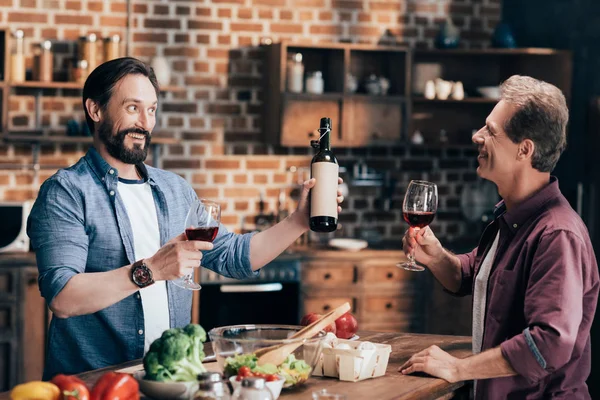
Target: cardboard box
x=352 y=364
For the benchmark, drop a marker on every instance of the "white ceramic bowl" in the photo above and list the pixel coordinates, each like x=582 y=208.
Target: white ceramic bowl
x=275 y=386
x=165 y=390
x=489 y=92
x=348 y=244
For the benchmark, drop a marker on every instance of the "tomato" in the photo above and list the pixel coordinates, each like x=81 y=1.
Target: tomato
x=312 y=317
x=244 y=371
x=346 y=326
x=272 y=378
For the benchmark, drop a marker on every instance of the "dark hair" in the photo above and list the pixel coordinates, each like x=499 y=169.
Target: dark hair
x=542 y=116
x=100 y=84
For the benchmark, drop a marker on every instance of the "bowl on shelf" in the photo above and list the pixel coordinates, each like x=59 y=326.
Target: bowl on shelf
x=489 y=92
x=234 y=347
x=348 y=244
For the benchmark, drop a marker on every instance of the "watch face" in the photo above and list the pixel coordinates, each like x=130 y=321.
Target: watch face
x=141 y=275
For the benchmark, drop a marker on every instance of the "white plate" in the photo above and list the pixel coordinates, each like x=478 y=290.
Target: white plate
x=348 y=244
x=355 y=337
x=165 y=390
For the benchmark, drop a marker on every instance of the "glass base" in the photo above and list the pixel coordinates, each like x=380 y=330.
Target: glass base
x=410 y=266
x=186 y=282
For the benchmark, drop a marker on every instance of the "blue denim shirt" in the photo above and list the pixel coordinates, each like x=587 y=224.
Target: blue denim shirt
x=79 y=224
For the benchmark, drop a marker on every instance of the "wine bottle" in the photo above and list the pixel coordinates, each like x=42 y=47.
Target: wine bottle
x=323 y=196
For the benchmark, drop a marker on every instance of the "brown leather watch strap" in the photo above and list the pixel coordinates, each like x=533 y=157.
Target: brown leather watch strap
x=141 y=275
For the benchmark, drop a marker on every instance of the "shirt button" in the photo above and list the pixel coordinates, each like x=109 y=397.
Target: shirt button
x=137 y=295
x=112 y=171
x=515 y=226
x=141 y=331
x=112 y=192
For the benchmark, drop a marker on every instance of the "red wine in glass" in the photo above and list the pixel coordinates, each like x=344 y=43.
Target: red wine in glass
x=202 y=224
x=418 y=219
x=202 y=234
x=418 y=210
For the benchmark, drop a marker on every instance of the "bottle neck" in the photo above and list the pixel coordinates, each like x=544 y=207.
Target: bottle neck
x=325 y=142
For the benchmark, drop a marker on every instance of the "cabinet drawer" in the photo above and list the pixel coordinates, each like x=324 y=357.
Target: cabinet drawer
x=388 y=304
x=391 y=274
x=8 y=318
x=397 y=326
x=322 y=305
x=326 y=274
x=8 y=282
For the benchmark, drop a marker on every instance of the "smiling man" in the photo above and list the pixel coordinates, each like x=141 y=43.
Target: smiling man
x=534 y=276
x=107 y=233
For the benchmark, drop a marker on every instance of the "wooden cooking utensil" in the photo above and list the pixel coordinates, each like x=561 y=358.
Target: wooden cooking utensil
x=276 y=355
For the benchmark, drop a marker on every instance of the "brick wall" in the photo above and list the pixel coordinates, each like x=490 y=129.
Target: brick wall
x=212 y=47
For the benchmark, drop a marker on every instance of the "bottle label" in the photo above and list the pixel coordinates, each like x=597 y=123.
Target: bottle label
x=323 y=198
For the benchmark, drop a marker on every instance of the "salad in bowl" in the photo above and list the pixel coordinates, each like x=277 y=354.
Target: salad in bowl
x=235 y=346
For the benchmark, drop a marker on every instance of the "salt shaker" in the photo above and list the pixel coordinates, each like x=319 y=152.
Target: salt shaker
x=211 y=387
x=252 y=388
x=295 y=74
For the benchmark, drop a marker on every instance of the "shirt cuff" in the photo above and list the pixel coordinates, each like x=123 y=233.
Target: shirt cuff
x=465 y=282
x=246 y=263
x=52 y=282
x=523 y=355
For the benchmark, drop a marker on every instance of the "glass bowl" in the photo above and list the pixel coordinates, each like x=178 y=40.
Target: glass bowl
x=234 y=347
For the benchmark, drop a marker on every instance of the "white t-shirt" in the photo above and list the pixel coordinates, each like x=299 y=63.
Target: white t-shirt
x=137 y=196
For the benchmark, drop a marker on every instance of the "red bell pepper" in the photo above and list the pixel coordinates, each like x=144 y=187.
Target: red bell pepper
x=71 y=387
x=116 y=386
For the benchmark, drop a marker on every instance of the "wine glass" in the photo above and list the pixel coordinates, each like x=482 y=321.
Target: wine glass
x=201 y=223
x=418 y=210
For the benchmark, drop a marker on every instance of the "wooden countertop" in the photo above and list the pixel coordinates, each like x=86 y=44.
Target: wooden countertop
x=17 y=259
x=322 y=253
x=327 y=253
x=391 y=386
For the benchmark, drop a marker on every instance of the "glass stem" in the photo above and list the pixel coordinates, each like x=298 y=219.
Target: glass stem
x=411 y=257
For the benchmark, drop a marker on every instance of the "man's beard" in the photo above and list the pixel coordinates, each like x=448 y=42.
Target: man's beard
x=115 y=144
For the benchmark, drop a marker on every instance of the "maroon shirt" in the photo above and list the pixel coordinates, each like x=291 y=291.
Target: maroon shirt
x=541 y=298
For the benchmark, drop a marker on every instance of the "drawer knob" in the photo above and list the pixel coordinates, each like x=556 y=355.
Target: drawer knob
x=390 y=275
x=327 y=276
x=388 y=305
x=326 y=307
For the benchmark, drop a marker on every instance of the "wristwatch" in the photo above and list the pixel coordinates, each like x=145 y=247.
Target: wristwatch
x=141 y=275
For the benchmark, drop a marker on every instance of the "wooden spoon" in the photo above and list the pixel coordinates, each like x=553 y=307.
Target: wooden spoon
x=277 y=354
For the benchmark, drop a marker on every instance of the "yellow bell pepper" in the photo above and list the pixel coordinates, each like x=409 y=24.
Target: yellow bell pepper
x=35 y=390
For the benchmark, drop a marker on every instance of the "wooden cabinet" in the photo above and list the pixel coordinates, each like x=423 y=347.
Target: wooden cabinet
x=477 y=68
x=359 y=117
x=23 y=321
x=383 y=297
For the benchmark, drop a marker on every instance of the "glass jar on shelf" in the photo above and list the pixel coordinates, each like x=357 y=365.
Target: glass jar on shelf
x=43 y=64
x=112 y=47
x=295 y=73
x=88 y=50
x=17 y=57
x=315 y=83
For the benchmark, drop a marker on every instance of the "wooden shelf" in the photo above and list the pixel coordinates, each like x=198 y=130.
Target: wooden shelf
x=340 y=96
x=76 y=86
x=473 y=52
x=312 y=97
x=343 y=46
x=466 y=100
x=376 y=98
x=25 y=138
